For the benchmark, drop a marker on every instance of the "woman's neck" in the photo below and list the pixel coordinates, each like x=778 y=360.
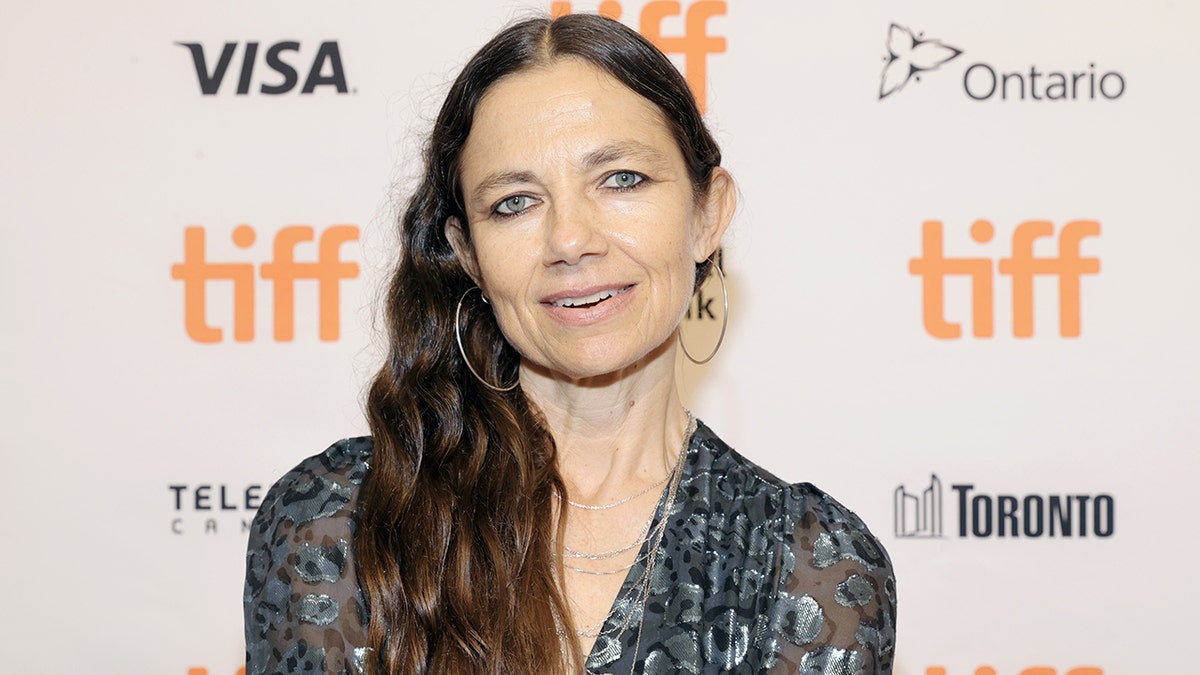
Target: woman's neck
x=613 y=433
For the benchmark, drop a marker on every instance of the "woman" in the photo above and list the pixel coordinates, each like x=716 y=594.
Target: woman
x=534 y=497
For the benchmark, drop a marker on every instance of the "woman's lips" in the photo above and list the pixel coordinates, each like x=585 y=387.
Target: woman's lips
x=581 y=306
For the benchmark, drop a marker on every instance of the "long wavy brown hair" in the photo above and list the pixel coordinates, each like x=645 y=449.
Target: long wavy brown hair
x=455 y=546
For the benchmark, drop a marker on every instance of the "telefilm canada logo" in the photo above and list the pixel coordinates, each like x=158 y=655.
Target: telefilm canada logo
x=979 y=513
x=268 y=68
x=912 y=56
x=212 y=508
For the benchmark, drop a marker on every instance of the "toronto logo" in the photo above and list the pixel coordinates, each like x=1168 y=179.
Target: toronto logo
x=919 y=515
x=980 y=514
x=909 y=55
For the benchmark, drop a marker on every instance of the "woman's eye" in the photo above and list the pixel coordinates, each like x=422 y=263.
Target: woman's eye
x=624 y=179
x=513 y=205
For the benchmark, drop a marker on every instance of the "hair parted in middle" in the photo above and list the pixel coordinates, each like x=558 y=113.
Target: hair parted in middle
x=455 y=547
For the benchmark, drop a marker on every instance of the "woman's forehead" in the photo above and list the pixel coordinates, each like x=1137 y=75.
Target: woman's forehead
x=567 y=106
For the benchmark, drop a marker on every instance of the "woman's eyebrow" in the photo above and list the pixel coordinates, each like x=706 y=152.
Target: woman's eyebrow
x=611 y=152
x=501 y=179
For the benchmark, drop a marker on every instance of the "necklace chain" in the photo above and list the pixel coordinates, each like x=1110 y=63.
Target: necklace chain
x=569 y=552
x=622 y=568
x=603 y=507
x=653 y=538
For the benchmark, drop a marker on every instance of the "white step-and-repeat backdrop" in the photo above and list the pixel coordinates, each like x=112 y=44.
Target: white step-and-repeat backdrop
x=964 y=283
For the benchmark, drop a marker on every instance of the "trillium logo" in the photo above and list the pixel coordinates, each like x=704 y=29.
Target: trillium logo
x=909 y=55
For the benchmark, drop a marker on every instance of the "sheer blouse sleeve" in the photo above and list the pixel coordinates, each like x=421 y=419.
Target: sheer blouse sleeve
x=304 y=612
x=835 y=612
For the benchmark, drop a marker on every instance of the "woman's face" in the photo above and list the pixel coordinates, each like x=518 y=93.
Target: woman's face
x=584 y=229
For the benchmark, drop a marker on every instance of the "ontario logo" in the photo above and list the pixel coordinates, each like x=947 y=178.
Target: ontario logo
x=918 y=513
x=910 y=54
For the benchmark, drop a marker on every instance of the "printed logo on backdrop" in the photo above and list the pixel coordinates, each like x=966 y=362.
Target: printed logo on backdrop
x=267 y=68
x=1021 y=267
x=282 y=269
x=908 y=55
x=212 y=509
x=705 y=320
x=919 y=515
x=695 y=44
x=1031 y=670
x=980 y=514
x=200 y=670
x=701 y=307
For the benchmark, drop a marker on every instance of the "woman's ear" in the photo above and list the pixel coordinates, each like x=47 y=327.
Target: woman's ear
x=460 y=242
x=715 y=213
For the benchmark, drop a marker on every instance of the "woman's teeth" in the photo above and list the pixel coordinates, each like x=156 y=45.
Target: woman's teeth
x=588 y=299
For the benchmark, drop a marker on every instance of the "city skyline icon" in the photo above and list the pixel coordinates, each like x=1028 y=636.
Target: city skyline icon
x=919 y=516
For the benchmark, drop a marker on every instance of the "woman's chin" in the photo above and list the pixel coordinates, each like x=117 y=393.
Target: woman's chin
x=599 y=367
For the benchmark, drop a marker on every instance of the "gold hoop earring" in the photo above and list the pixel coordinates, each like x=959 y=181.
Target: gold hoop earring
x=724 y=322
x=463 y=352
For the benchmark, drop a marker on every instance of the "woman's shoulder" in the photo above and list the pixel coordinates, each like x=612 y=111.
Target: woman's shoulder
x=835 y=529
x=304 y=610
x=320 y=487
x=345 y=461
x=834 y=578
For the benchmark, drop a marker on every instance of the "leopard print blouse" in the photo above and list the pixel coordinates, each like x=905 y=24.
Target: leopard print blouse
x=755 y=576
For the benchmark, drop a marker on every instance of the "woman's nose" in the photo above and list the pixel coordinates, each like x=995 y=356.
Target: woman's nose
x=573 y=232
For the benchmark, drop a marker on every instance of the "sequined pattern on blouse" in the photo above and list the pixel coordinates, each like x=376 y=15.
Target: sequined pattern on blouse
x=755 y=576
x=304 y=610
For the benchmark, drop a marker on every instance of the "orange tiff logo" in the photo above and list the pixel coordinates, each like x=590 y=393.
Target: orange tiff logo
x=1022 y=266
x=1033 y=670
x=204 y=671
x=694 y=45
x=283 y=270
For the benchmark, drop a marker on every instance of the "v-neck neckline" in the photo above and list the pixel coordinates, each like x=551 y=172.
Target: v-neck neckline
x=627 y=595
